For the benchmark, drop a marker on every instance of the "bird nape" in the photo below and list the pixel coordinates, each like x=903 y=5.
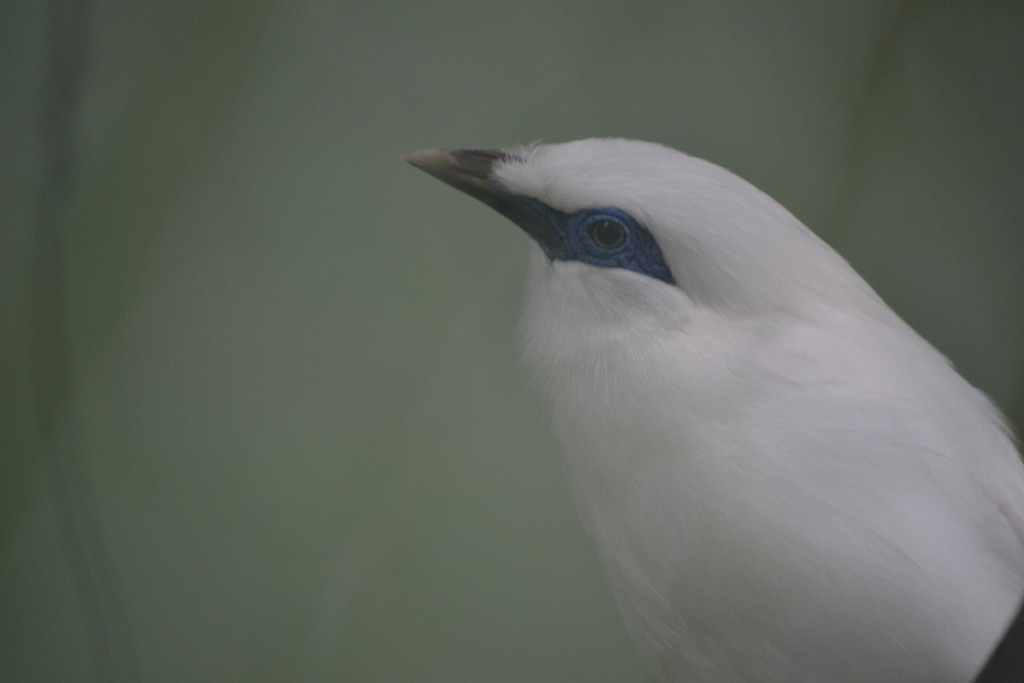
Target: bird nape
x=784 y=482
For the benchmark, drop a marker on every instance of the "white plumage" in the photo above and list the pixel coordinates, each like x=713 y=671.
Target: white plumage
x=784 y=482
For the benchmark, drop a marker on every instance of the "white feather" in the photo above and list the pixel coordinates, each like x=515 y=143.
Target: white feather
x=783 y=481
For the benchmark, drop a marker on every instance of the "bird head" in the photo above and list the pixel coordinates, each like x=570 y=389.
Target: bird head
x=636 y=239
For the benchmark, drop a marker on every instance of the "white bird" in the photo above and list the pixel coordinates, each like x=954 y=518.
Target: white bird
x=783 y=481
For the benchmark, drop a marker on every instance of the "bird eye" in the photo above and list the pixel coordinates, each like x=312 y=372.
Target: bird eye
x=607 y=234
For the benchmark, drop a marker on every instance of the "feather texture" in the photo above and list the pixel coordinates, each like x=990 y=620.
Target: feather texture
x=784 y=482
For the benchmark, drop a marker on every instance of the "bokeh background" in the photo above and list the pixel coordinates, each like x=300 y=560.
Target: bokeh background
x=260 y=413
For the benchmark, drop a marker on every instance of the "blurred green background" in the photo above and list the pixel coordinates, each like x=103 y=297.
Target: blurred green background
x=261 y=417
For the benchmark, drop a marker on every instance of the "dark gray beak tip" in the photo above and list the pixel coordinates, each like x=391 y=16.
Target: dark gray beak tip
x=468 y=170
x=469 y=163
x=472 y=171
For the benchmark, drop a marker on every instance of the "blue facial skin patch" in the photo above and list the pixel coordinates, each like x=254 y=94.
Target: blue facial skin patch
x=605 y=237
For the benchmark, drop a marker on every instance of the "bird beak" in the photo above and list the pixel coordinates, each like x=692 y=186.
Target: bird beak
x=472 y=171
x=468 y=170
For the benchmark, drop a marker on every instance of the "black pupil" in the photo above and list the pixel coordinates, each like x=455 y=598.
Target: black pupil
x=607 y=234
